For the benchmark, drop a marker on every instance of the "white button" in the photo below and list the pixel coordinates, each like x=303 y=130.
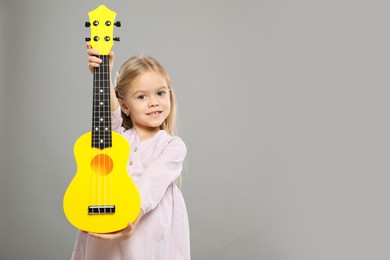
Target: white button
x=131 y=163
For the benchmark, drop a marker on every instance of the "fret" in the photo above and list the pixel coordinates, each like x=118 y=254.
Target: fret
x=102 y=79
x=103 y=65
x=106 y=81
x=102 y=140
x=101 y=90
x=100 y=103
x=97 y=122
x=100 y=109
x=101 y=129
x=101 y=119
x=100 y=135
x=101 y=145
x=101 y=96
x=99 y=138
x=103 y=112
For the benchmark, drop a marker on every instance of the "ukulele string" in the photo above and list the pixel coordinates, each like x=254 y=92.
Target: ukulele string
x=106 y=128
x=104 y=108
x=108 y=125
x=102 y=113
x=95 y=132
x=99 y=123
x=106 y=111
x=104 y=76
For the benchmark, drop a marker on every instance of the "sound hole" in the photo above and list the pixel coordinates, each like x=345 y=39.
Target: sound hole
x=102 y=164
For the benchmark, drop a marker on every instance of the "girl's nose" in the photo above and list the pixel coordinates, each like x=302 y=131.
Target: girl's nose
x=153 y=102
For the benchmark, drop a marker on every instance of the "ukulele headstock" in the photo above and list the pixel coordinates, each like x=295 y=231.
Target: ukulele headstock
x=101 y=22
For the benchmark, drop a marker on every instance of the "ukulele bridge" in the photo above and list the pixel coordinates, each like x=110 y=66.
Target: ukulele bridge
x=101 y=210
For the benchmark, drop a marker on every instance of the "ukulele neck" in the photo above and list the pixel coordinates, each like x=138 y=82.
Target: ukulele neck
x=101 y=109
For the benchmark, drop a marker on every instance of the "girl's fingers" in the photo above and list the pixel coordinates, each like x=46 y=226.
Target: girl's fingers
x=93 y=52
x=118 y=235
x=94 y=59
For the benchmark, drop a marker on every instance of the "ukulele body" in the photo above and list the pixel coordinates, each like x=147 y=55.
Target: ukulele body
x=102 y=197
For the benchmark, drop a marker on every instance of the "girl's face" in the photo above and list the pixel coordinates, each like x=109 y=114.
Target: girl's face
x=147 y=102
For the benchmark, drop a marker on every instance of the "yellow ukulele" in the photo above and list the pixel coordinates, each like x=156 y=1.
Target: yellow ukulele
x=101 y=198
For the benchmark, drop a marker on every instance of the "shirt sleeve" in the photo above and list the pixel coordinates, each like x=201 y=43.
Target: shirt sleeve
x=161 y=173
x=116 y=121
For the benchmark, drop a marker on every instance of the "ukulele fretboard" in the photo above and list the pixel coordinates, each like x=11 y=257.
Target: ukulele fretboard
x=101 y=110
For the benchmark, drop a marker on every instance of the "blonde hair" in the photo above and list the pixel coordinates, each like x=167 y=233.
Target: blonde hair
x=128 y=72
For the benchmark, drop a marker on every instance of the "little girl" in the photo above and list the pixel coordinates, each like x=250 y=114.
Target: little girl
x=143 y=111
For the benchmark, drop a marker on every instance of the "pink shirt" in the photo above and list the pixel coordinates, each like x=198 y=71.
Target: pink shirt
x=163 y=232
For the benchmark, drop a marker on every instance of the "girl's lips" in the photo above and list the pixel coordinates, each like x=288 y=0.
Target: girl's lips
x=154 y=113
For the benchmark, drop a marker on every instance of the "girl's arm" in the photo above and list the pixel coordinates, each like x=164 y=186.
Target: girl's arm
x=94 y=62
x=162 y=172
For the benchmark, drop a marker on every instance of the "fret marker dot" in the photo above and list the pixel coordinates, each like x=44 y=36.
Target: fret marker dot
x=101 y=90
x=96 y=128
x=106 y=128
x=101 y=103
x=101 y=119
x=101 y=141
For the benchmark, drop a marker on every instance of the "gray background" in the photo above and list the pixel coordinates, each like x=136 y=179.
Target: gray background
x=283 y=106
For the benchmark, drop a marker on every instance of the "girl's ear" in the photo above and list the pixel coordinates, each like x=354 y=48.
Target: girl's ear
x=124 y=107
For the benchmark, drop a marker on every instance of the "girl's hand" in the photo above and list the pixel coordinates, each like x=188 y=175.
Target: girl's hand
x=121 y=234
x=94 y=61
x=118 y=235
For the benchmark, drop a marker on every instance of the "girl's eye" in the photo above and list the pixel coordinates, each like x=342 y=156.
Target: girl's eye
x=141 y=97
x=161 y=93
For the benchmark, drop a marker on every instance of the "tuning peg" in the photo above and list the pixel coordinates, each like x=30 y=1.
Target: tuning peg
x=87 y=24
x=117 y=39
x=117 y=24
x=87 y=39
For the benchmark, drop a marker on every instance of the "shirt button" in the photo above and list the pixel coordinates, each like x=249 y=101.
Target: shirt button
x=135 y=149
x=131 y=162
